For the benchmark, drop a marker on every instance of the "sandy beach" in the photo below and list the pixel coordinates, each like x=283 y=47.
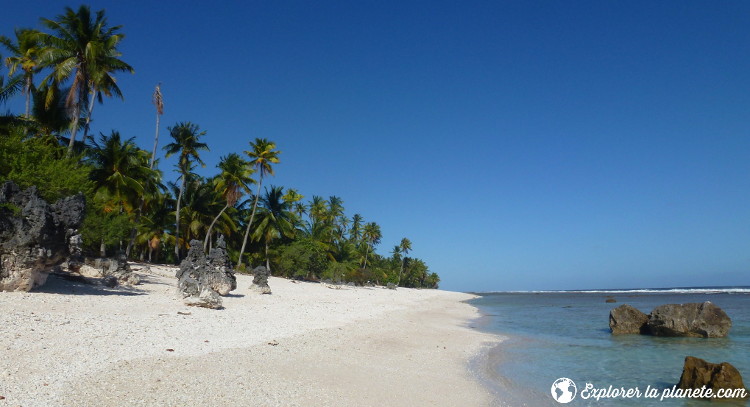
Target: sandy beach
x=74 y=344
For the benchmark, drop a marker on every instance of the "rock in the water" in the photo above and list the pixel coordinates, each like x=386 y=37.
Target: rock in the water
x=35 y=236
x=704 y=320
x=260 y=280
x=610 y=300
x=697 y=373
x=626 y=319
x=222 y=279
x=198 y=275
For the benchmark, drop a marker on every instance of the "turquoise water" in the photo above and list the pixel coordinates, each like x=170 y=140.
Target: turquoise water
x=566 y=334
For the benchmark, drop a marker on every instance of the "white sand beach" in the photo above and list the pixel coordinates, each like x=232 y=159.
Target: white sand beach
x=73 y=344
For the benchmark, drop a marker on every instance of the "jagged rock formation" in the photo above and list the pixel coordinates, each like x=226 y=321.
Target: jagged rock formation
x=202 y=279
x=704 y=320
x=35 y=236
x=222 y=280
x=697 y=373
x=626 y=319
x=260 y=280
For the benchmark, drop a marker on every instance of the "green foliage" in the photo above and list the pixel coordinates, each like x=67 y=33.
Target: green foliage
x=39 y=162
x=303 y=258
x=99 y=227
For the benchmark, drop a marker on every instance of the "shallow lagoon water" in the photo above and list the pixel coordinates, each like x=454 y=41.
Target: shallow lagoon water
x=566 y=334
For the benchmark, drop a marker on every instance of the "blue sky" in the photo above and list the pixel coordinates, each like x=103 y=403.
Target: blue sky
x=520 y=145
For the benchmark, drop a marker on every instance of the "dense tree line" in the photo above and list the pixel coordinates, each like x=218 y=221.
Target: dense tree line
x=63 y=70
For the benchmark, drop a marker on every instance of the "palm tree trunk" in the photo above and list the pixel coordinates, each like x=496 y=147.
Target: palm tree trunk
x=73 y=129
x=208 y=234
x=401 y=271
x=268 y=263
x=156 y=142
x=247 y=230
x=28 y=96
x=367 y=249
x=102 y=249
x=177 y=223
x=88 y=117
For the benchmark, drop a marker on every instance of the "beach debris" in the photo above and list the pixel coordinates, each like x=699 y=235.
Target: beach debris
x=698 y=373
x=626 y=319
x=202 y=279
x=170 y=350
x=273 y=343
x=704 y=320
x=392 y=286
x=184 y=313
x=35 y=236
x=260 y=280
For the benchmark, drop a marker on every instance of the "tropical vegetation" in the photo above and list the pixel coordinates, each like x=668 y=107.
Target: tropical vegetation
x=62 y=70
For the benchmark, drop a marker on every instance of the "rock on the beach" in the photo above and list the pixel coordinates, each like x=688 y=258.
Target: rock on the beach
x=221 y=279
x=694 y=319
x=626 y=319
x=198 y=275
x=206 y=298
x=260 y=280
x=34 y=235
x=697 y=373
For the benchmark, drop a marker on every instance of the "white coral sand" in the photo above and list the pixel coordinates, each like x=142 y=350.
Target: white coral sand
x=73 y=344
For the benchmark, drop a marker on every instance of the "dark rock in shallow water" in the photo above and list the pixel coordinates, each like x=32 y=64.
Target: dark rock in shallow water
x=626 y=319
x=610 y=300
x=199 y=281
x=697 y=373
x=704 y=320
x=260 y=280
x=35 y=236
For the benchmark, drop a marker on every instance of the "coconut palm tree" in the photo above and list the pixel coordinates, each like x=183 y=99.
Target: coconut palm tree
x=355 y=232
x=84 y=49
x=318 y=209
x=405 y=247
x=371 y=235
x=233 y=182
x=25 y=56
x=262 y=155
x=186 y=142
x=274 y=219
x=120 y=172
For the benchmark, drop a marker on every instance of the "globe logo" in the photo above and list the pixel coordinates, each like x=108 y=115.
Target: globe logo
x=564 y=390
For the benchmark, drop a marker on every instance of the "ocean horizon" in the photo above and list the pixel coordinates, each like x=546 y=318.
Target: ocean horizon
x=554 y=334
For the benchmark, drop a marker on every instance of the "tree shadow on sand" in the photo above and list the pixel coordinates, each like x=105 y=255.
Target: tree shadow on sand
x=57 y=284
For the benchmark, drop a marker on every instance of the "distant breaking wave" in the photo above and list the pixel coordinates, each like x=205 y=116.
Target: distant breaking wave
x=684 y=290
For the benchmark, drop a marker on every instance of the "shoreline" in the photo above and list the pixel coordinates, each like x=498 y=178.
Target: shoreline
x=305 y=344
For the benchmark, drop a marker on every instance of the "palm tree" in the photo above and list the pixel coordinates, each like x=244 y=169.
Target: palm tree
x=25 y=56
x=85 y=50
x=318 y=209
x=186 y=137
x=371 y=234
x=335 y=213
x=120 y=172
x=274 y=219
x=262 y=155
x=233 y=181
x=355 y=232
x=405 y=247
x=158 y=101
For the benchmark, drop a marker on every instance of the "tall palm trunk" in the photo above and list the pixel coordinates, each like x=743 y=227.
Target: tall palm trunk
x=28 y=96
x=268 y=263
x=367 y=250
x=208 y=234
x=177 y=223
x=88 y=117
x=156 y=142
x=73 y=129
x=247 y=230
x=401 y=271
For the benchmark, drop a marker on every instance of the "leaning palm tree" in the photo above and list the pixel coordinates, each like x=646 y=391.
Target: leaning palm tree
x=25 y=55
x=233 y=182
x=405 y=248
x=186 y=142
x=158 y=101
x=82 y=48
x=263 y=153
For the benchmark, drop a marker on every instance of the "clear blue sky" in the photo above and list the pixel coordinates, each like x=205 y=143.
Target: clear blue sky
x=520 y=145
